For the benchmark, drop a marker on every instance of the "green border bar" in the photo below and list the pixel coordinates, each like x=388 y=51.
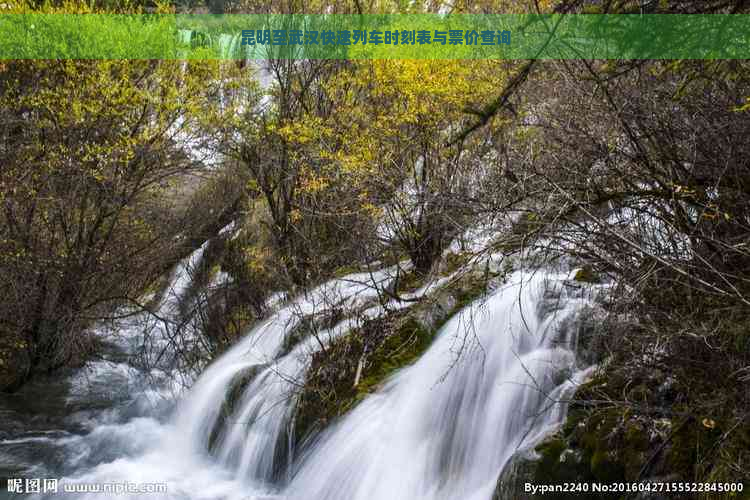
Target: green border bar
x=175 y=36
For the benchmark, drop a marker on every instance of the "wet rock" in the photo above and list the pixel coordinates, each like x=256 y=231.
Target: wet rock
x=590 y=335
x=519 y=470
x=436 y=311
x=231 y=400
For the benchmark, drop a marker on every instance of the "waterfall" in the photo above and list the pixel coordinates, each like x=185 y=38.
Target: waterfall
x=248 y=442
x=441 y=428
x=444 y=427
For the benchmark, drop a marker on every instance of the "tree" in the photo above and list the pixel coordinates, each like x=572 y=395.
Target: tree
x=392 y=135
x=88 y=150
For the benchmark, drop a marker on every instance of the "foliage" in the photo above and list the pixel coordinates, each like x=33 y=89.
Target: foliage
x=89 y=151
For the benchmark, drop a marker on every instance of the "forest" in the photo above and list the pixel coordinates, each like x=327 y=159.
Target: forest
x=376 y=278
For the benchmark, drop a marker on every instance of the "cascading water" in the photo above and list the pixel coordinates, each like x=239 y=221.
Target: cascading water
x=444 y=427
x=105 y=410
x=440 y=429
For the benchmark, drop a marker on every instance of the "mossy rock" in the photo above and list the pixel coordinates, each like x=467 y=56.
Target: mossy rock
x=309 y=325
x=391 y=342
x=232 y=398
x=519 y=470
x=455 y=261
x=587 y=275
x=409 y=281
x=551 y=462
x=616 y=443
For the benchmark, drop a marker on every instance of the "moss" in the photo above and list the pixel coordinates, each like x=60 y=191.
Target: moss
x=636 y=451
x=233 y=396
x=549 y=451
x=587 y=275
x=309 y=325
x=455 y=261
x=410 y=281
x=612 y=443
x=595 y=443
x=392 y=342
x=342 y=271
x=606 y=468
x=555 y=463
x=329 y=392
x=401 y=349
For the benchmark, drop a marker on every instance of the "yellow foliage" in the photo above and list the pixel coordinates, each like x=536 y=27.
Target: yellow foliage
x=709 y=423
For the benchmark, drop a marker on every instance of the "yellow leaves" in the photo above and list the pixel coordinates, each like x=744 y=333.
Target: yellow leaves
x=684 y=191
x=252 y=185
x=371 y=210
x=312 y=182
x=71 y=7
x=708 y=423
x=425 y=89
x=301 y=132
x=256 y=258
x=710 y=211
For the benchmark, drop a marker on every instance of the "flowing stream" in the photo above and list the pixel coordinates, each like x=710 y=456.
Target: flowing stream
x=441 y=428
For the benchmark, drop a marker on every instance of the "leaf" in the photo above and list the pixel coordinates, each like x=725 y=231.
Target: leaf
x=709 y=423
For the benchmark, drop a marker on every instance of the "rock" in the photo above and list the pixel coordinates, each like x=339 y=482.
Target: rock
x=519 y=470
x=436 y=311
x=551 y=461
x=232 y=398
x=590 y=336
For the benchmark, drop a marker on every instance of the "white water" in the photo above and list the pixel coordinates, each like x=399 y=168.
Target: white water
x=440 y=429
x=444 y=427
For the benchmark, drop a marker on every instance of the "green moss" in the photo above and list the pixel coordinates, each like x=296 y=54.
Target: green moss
x=410 y=281
x=342 y=271
x=549 y=451
x=557 y=463
x=605 y=468
x=587 y=275
x=612 y=443
x=401 y=349
x=455 y=261
x=233 y=396
x=238 y=321
x=330 y=391
x=393 y=342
